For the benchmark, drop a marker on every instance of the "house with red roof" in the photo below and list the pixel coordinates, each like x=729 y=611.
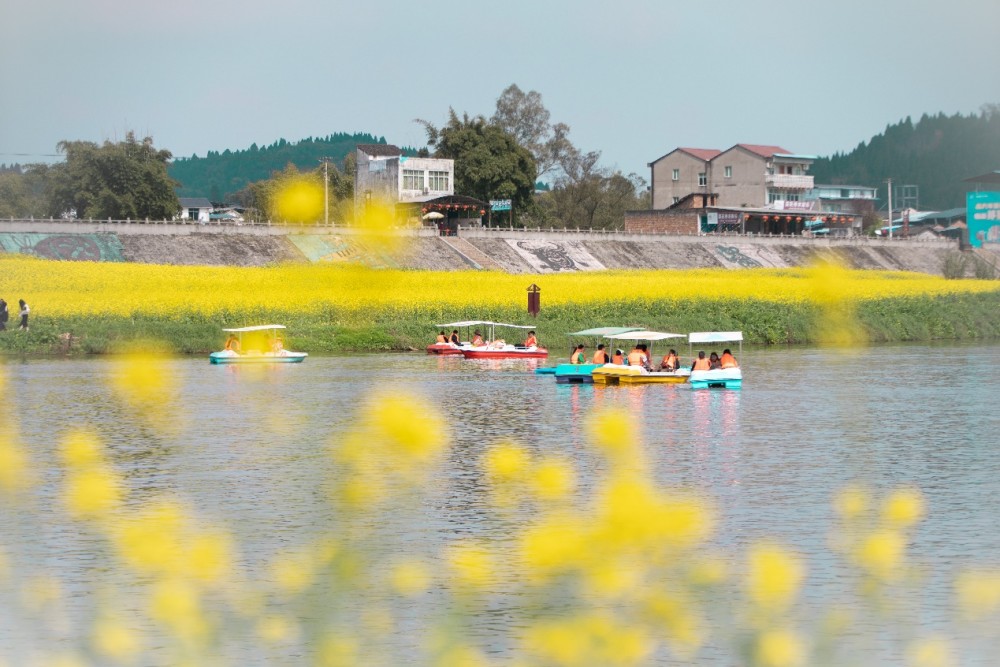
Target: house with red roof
x=744 y=176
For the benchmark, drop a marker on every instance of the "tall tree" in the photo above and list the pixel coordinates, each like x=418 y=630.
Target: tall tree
x=120 y=180
x=524 y=117
x=489 y=162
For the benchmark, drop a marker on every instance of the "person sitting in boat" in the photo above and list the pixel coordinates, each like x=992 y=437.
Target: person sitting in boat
x=618 y=358
x=713 y=362
x=233 y=344
x=441 y=338
x=477 y=339
x=727 y=360
x=277 y=347
x=576 y=357
x=601 y=356
x=531 y=341
x=637 y=357
x=701 y=363
x=455 y=340
x=498 y=344
x=670 y=362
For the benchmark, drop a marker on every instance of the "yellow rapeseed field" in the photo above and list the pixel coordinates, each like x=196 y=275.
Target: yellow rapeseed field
x=83 y=288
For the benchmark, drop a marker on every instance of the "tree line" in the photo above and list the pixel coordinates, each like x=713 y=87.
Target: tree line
x=936 y=153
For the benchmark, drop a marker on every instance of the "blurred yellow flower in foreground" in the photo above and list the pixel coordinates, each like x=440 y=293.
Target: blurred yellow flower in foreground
x=881 y=553
x=553 y=478
x=614 y=435
x=113 y=639
x=903 y=507
x=774 y=577
x=779 y=648
x=410 y=578
x=978 y=592
x=15 y=473
x=471 y=563
x=299 y=200
x=409 y=427
x=91 y=493
x=851 y=502
x=277 y=629
x=506 y=462
x=931 y=652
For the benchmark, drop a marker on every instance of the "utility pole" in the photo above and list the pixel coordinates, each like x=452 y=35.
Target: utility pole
x=326 y=192
x=889 y=192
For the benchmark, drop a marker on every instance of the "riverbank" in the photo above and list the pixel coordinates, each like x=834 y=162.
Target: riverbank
x=92 y=308
x=952 y=317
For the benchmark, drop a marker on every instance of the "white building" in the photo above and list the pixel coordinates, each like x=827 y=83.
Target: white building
x=385 y=174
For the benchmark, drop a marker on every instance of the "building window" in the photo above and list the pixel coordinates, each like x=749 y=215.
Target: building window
x=702 y=178
x=677 y=174
x=413 y=179
x=729 y=172
x=193 y=213
x=437 y=181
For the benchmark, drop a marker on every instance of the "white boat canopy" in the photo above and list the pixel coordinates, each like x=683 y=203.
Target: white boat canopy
x=644 y=335
x=513 y=326
x=259 y=327
x=715 y=336
x=470 y=323
x=605 y=331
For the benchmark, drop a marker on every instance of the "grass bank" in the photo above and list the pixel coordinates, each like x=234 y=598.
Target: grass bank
x=954 y=317
x=89 y=308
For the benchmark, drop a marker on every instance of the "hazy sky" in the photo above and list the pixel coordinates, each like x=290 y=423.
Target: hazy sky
x=633 y=79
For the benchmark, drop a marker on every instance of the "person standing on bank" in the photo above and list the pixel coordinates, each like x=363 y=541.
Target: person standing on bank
x=24 y=315
x=4 y=315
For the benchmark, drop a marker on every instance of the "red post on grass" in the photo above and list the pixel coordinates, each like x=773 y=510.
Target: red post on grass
x=534 y=299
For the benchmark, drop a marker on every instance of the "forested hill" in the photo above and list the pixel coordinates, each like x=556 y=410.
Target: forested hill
x=219 y=175
x=936 y=153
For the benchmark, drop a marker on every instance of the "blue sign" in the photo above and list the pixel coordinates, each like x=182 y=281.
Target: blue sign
x=982 y=216
x=499 y=204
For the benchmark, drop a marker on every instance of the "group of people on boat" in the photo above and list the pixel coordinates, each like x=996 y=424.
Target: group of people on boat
x=714 y=361
x=479 y=341
x=277 y=346
x=640 y=356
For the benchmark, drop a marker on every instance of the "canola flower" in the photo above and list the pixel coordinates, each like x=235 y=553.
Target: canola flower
x=86 y=289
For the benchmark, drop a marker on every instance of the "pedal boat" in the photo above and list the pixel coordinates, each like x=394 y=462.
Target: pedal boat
x=583 y=373
x=615 y=374
x=719 y=378
x=498 y=349
x=276 y=355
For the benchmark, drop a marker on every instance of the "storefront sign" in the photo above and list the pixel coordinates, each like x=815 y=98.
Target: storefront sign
x=983 y=217
x=499 y=204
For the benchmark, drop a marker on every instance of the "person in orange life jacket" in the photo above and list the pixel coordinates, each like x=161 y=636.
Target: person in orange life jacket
x=531 y=341
x=454 y=337
x=727 y=360
x=701 y=363
x=233 y=344
x=576 y=357
x=441 y=338
x=477 y=339
x=670 y=361
x=713 y=362
x=637 y=357
x=618 y=358
x=600 y=356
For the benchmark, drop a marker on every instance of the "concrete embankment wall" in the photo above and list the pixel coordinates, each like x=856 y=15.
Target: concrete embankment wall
x=514 y=251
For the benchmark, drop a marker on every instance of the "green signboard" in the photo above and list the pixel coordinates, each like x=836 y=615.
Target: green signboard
x=983 y=217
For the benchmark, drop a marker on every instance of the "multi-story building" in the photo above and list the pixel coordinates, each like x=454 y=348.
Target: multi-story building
x=856 y=199
x=746 y=175
x=385 y=174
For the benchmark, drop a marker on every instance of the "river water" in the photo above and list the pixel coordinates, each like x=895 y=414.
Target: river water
x=248 y=447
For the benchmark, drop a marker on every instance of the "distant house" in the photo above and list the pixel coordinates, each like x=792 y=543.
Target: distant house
x=746 y=175
x=195 y=208
x=385 y=174
x=856 y=199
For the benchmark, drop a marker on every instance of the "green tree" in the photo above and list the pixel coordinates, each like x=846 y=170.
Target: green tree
x=489 y=162
x=524 y=117
x=23 y=192
x=120 y=180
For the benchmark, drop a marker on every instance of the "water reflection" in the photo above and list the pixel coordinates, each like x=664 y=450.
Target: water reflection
x=251 y=446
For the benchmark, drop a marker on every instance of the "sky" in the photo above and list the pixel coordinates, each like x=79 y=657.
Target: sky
x=633 y=79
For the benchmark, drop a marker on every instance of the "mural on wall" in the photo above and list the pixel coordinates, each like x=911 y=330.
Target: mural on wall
x=326 y=249
x=732 y=256
x=553 y=257
x=79 y=247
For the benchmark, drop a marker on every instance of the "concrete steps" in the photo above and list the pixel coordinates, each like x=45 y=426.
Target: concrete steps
x=471 y=254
